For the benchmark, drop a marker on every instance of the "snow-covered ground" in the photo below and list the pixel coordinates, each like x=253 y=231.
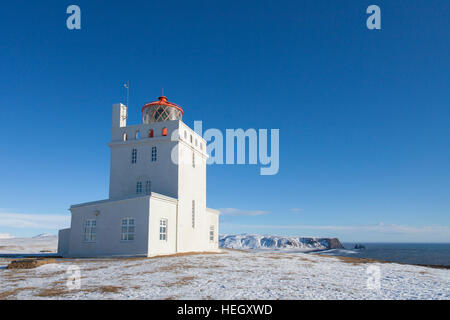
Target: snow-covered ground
x=233 y=274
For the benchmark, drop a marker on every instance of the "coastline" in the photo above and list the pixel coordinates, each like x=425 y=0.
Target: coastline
x=370 y=260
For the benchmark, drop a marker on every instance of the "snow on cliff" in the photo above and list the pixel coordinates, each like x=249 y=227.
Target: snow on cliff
x=6 y=236
x=37 y=244
x=254 y=241
x=44 y=235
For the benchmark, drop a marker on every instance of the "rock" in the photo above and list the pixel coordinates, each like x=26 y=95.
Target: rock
x=334 y=243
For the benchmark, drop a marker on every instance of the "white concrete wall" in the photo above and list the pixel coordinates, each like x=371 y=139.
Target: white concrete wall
x=192 y=186
x=109 y=241
x=63 y=242
x=162 y=208
x=124 y=174
x=119 y=115
x=213 y=220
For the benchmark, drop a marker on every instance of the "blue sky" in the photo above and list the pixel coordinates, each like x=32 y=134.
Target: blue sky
x=363 y=115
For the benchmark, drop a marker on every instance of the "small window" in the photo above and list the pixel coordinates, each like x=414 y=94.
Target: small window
x=138 y=135
x=164 y=132
x=163 y=229
x=193 y=159
x=193 y=213
x=148 y=187
x=211 y=234
x=127 y=233
x=191 y=138
x=185 y=134
x=150 y=133
x=139 y=187
x=90 y=230
x=134 y=156
x=124 y=136
x=201 y=146
x=154 y=154
x=196 y=142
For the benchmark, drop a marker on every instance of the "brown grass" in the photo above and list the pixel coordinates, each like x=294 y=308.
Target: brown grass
x=355 y=261
x=52 y=292
x=143 y=272
x=275 y=257
x=29 y=263
x=358 y=261
x=110 y=289
x=14 y=280
x=181 y=282
x=61 y=291
x=14 y=292
x=306 y=260
x=95 y=268
x=280 y=256
x=212 y=266
x=183 y=254
x=174 y=267
x=239 y=250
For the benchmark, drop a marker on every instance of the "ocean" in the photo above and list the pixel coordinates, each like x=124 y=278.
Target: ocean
x=411 y=253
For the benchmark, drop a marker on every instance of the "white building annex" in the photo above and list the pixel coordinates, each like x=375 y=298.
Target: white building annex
x=157 y=193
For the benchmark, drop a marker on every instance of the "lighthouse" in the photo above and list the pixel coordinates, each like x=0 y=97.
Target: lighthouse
x=157 y=191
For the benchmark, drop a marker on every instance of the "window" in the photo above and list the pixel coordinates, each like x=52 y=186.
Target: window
x=193 y=159
x=193 y=213
x=191 y=138
x=196 y=142
x=154 y=154
x=90 y=230
x=148 y=187
x=150 y=133
x=163 y=229
x=134 y=156
x=138 y=135
x=164 y=132
x=211 y=234
x=185 y=134
x=139 y=187
x=127 y=233
x=201 y=146
x=124 y=136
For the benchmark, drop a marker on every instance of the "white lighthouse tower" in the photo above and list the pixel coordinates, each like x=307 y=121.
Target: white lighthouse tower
x=157 y=192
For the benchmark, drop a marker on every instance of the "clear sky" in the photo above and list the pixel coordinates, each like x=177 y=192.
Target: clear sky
x=363 y=114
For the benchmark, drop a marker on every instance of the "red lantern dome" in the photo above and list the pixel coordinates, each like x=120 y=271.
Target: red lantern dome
x=161 y=110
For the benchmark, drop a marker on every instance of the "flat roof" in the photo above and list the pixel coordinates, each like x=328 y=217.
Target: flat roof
x=153 y=194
